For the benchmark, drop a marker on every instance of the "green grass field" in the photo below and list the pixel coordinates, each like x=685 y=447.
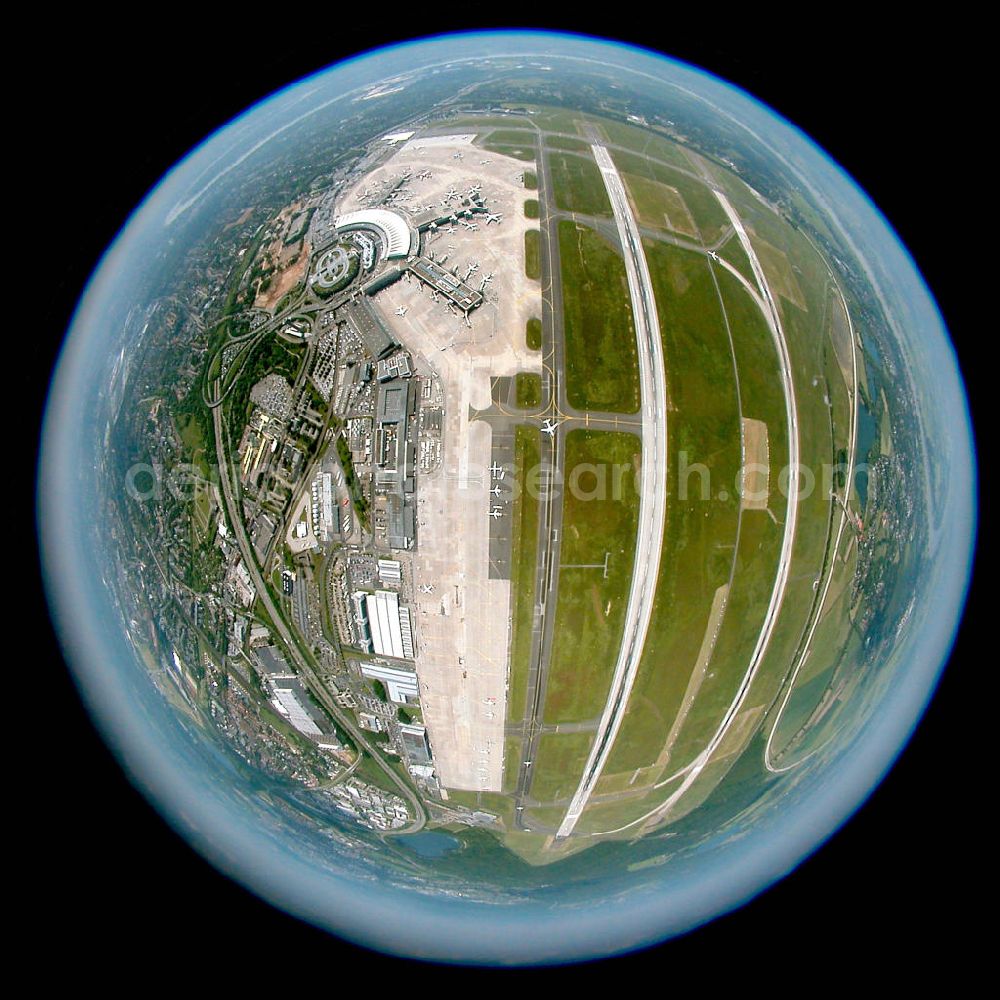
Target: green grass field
x=531 y=180
x=601 y=363
x=531 y=208
x=524 y=557
x=533 y=334
x=760 y=534
x=703 y=206
x=566 y=143
x=511 y=136
x=528 y=389
x=522 y=152
x=532 y=254
x=590 y=610
x=558 y=765
x=732 y=251
x=578 y=185
x=643 y=141
x=703 y=426
x=660 y=206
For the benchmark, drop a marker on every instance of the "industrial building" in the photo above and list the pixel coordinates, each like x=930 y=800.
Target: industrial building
x=395 y=458
x=389 y=624
x=400 y=683
x=362 y=626
x=395 y=366
x=415 y=742
x=363 y=320
x=390 y=571
x=291 y=700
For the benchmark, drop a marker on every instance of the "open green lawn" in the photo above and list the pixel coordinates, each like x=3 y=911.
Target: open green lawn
x=523 y=561
x=590 y=609
x=559 y=764
x=660 y=206
x=528 y=389
x=643 y=141
x=760 y=534
x=567 y=143
x=601 y=364
x=533 y=334
x=512 y=136
x=578 y=184
x=531 y=208
x=532 y=254
x=518 y=152
x=732 y=250
x=531 y=180
x=703 y=426
x=703 y=206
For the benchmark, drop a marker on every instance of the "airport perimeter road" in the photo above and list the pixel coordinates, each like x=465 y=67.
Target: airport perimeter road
x=652 y=492
x=281 y=627
x=803 y=654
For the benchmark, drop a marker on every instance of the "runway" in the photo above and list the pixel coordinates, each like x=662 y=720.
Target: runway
x=652 y=491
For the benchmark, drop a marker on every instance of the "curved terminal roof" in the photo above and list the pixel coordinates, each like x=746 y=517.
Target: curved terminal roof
x=392 y=228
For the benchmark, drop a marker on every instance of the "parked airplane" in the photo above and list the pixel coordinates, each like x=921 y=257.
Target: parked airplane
x=487 y=278
x=493 y=217
x=497 y=471
x=496 y=491
x=549 y=426
x=475 y=189
x=458 y=156
x=496 y=512
x=401 y=311
x=485 y=163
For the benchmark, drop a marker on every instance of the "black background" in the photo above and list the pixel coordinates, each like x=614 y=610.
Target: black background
x=894 y=883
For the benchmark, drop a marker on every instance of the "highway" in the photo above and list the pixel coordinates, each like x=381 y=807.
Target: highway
x=274 y=613
x=652 y=491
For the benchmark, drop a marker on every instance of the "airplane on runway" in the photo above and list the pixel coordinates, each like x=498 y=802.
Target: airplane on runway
x=550 y=425
x=494 y=217
x=496 y=513
x=713 y=255
x=401 y=311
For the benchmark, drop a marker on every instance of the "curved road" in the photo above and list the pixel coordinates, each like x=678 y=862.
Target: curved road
x=280 y=626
